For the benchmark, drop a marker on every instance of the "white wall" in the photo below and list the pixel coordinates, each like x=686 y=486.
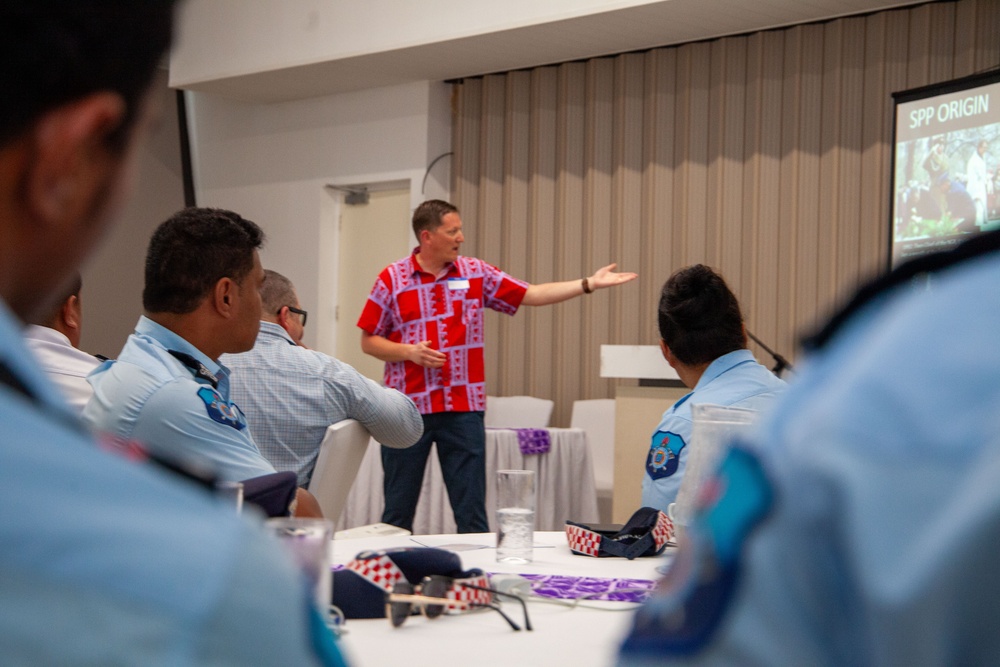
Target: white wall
x=311 y=31
x=272 y=163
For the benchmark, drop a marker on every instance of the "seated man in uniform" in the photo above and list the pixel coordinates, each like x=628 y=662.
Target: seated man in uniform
x=291 y=394
x=703 y=338
x=167 y=388
x=106 y=559
x=862 y=527
x=55 y=340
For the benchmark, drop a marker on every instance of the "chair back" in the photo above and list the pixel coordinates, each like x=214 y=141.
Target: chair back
x=597 y=418
x=518 y=412
x=340 y=456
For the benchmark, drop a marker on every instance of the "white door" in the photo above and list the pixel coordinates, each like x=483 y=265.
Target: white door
x=372 y=236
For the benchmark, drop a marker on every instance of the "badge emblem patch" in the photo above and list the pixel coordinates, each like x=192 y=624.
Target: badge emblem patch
x=221 y=411
x=664 y=454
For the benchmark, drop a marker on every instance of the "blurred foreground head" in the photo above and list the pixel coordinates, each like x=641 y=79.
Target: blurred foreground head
x=76 y=77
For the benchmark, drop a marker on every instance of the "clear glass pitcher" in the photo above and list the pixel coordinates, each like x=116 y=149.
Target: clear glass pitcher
x=713 y=431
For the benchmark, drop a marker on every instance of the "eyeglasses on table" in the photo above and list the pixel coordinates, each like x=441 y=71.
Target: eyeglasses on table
x=430 y=598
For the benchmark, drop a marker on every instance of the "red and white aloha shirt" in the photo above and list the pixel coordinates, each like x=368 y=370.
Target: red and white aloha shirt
x=409 y=305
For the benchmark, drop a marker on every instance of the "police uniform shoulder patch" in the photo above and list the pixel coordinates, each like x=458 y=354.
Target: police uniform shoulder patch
x=684 y=613
x=664 y=454
x=221 y=411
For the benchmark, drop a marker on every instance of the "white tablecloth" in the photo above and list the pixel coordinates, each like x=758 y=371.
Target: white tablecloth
x=585 y=636
x=565 y=479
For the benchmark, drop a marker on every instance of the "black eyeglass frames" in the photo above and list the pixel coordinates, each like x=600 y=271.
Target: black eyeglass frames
x=430 y=598
x=297 y=311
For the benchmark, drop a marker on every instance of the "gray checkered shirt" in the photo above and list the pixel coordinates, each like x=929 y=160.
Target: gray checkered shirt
x=290 y=395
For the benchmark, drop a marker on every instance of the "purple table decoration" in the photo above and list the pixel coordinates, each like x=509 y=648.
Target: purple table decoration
x=590 y=588
x=533 y=440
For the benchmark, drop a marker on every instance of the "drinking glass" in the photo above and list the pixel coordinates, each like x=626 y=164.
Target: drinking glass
x=515 y=515
x=309 y=542
x=714 y=427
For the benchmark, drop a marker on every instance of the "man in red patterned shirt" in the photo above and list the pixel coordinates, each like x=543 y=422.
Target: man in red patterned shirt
x=424 y=318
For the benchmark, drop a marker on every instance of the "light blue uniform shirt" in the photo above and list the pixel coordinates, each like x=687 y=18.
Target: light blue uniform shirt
x=291 y=395
x=733 y=380
x=149 y=395
x=106 y=561
x=881 y=546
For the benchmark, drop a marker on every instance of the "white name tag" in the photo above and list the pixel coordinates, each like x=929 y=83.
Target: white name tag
x=458 y=283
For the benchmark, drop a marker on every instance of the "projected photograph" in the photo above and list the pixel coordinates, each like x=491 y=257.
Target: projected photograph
x=946 y=179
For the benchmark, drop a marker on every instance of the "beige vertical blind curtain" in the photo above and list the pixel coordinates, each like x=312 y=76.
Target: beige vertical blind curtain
x=765 y=156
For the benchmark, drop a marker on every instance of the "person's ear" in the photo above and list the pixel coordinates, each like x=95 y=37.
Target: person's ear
x=284 y=316
x=667 y=354
x=224 y=296
x=70 y=312
x=70 y=156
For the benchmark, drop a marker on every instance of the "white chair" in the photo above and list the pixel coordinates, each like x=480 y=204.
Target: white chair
x=340 y=455
x=597 y=418
x=518 y=412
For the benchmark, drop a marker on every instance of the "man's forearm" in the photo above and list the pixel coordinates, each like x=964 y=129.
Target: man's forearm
x=384 y=349
x=549 y=293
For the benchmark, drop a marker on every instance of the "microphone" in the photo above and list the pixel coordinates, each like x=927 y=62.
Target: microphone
x=780 y=363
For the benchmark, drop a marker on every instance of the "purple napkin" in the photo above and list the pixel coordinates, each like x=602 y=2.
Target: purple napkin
x=591 y=588
x=533 y=440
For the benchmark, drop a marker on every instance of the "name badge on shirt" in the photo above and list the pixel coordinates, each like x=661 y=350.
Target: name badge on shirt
x=458 y=283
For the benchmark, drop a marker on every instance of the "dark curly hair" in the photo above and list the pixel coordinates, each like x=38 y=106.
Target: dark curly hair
x=189 y=253
x=699 y=316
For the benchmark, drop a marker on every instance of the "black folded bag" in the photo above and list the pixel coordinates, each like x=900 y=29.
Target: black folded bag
x=646 y=534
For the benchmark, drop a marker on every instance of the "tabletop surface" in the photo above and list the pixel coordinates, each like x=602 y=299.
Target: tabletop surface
x=585 y=635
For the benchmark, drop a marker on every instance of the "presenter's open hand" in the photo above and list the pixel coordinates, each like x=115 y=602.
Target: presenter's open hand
x=424 y=355
x=606 y=277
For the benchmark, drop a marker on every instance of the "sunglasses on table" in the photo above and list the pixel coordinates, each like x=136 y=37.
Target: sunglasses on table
x=431 y=598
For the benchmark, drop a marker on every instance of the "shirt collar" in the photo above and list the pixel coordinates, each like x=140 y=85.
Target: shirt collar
x=171 y=341
x=274 y=330
x=415 y=268
x=46 y=334
x=724 y=363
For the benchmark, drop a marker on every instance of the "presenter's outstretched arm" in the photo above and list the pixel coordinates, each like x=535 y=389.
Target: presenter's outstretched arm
x=547 y=293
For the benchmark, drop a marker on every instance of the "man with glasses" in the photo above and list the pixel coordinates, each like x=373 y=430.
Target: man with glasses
x=291 y=394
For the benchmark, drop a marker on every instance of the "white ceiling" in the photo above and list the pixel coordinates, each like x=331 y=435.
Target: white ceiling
x=609 y=32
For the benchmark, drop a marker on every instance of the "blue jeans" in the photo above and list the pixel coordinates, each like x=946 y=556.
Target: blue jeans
x=461 y=448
